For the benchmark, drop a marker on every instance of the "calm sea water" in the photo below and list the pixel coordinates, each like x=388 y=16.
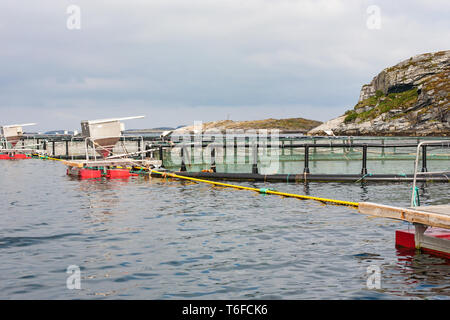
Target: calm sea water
x=155 y=239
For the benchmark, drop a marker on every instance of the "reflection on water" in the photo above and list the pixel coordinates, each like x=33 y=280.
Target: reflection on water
x=148 y=238
x=418 y=274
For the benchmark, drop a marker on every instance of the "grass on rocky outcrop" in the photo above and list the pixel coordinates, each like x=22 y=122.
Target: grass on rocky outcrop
x=380 y=103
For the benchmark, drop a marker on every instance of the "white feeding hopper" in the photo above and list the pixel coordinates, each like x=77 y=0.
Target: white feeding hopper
x=14 y=132
x=104 y=134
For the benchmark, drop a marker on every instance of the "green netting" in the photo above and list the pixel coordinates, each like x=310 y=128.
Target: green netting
x=324 y=160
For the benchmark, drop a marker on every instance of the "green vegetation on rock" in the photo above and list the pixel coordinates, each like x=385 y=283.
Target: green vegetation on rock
x=380 y=103
x=410 y=98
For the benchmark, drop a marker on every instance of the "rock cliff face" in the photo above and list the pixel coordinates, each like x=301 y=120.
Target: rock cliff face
x=408 y=99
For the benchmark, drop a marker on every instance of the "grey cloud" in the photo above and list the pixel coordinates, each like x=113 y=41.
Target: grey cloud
x=201 y=60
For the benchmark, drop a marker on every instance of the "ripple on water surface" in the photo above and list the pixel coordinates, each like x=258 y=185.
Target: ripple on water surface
x=157 y=239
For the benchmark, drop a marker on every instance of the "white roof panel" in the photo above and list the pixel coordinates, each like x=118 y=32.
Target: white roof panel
x=112 y=119
x=19 y=125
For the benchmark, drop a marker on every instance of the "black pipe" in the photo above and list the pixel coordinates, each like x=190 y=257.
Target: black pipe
x=330 y=145
x=306 y=170
x=183 y=165
x=53 y=148
x=364 y=161
x=424 y=158
x=213 y=159
x=255 y=158
x=302 y=145
x=67 y=148
x=161 y=156
x=433 y=177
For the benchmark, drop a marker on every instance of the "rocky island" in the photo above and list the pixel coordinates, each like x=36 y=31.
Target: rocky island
x=291 y=125
x=408 y=99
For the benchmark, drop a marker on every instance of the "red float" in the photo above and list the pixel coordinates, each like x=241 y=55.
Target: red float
x=21 y=156
x=14 y=157
x=118 y=174
x=90 y=174
x=405 y=239
x=84 y=173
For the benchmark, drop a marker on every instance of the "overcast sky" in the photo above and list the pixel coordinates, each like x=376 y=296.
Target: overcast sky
x=177 y=61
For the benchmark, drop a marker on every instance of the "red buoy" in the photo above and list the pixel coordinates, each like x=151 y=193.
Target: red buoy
x=14 y=157
x=118 y=174
x=20 y=156
x=83 y=173
x=89 y=174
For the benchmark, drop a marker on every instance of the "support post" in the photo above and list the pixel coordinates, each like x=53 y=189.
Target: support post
x=213 y=159
x=53 y=148
x=67 y=149
x=419 y=230
x=255 y=158
x=364 y=161
x=183 y=165
x=306 y=169
x=161 y=156
x=424 y=158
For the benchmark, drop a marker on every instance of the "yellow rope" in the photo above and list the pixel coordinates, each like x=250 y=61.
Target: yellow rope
x=267 y=191
x=291 y=195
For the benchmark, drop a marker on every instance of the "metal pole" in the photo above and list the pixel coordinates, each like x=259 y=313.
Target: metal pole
x=161 y=156
x=306 y=169
x=424 y=158
x=255 y=158
x=364 y=162
x=213 y=159
x=183 y=165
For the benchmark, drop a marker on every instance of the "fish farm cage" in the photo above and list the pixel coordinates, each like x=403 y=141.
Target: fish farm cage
x=287 y=158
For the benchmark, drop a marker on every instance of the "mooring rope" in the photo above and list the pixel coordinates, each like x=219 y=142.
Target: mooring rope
x=261 y=190
x=44 y=157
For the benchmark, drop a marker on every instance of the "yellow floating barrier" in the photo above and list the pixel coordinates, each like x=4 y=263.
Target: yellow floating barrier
x=262 y=190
